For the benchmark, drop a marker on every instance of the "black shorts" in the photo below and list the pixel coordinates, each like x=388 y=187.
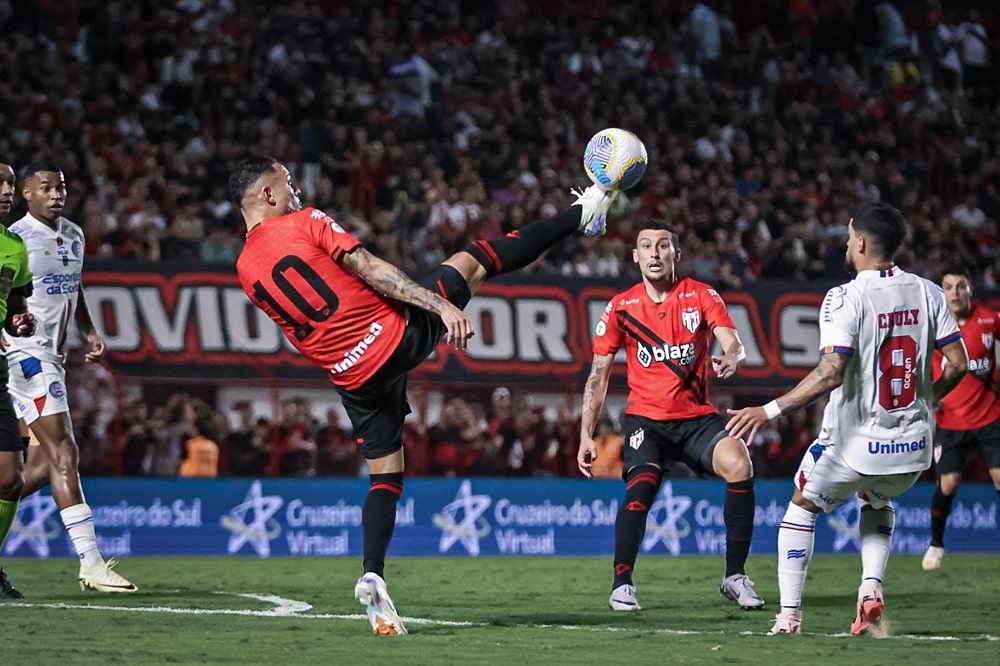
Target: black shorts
x=691 y=441
x=378 y=407
x=955 y=446
x=10 y=433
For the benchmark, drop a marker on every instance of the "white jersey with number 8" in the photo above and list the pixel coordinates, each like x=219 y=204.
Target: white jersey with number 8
x=889 y=322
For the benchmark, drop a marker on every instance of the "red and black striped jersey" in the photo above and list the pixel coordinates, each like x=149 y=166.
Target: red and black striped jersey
x=667 y=347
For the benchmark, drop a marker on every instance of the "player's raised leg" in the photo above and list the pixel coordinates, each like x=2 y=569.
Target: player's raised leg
x=482 y=259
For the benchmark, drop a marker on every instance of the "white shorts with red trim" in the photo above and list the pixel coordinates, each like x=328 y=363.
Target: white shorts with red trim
x=827 y=481
x=37 y=388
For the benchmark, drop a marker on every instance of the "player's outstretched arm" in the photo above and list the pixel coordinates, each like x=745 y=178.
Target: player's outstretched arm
x=394 y=283
x=733 y=352
x=954 y=370
x=594 y=393
x=825 y=377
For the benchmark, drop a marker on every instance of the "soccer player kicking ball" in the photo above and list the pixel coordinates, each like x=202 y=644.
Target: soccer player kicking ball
x=38 y=374
x=877 y=336
x=969 y=416
x=15 y=285
x=367 y=324
x=666 y=326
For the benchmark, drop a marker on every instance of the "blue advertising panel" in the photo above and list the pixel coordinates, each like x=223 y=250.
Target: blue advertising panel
x=459 y=517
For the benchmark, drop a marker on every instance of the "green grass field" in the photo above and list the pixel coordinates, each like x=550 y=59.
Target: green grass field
x=491 y=611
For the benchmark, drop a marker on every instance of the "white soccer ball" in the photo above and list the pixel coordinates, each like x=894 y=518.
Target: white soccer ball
x=615 y=159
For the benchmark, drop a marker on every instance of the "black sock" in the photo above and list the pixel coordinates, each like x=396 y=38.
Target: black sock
x=378 y=518
x=940 y=510
x=630 y=524
x=522 y=246
x=737 y=512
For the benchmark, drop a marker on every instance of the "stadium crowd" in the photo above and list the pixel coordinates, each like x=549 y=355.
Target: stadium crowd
x=421 y=124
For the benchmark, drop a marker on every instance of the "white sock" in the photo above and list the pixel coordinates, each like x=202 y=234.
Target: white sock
x=875 y=528
x=79 y=522
x=796 y=538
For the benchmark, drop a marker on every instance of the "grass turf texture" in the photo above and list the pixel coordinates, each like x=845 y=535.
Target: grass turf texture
x=520 y=610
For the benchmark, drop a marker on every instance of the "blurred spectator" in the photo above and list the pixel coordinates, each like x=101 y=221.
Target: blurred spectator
x=608 y=464
x=179 y=427
x=337 y=452
x=139 y=443
x=200 y=457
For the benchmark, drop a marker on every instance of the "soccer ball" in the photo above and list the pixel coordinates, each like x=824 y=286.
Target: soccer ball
x=615 y=159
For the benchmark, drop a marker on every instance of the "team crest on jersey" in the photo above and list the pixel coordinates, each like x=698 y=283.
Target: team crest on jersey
x=57 y=390
x=691 y=319
x=635 y=439
x=988 y=340
x=602 y=328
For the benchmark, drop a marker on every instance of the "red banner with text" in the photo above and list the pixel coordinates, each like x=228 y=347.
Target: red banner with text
x=535 y=330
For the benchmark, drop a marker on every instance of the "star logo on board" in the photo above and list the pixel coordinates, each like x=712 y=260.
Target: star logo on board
x=846 y=522
x=253 y=521
x=37 y=532
x=673 y=526
x=461 y=520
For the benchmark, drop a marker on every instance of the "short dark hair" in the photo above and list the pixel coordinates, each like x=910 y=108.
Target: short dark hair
x=658 y=224
x=883 y=224
x=39 y=166
x=957 y=269
x=246 y=173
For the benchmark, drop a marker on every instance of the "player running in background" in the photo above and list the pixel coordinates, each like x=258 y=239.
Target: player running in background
x=38 y=373
x=367 y=324
x=15 y=285
x=877 y=335
x=666 y=326
x=969 y=416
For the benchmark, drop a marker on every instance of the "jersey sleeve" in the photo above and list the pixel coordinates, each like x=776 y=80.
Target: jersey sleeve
x=24 y=276
x=331 y=236
x=838 y=322
x=716 y=313
x=608 y=335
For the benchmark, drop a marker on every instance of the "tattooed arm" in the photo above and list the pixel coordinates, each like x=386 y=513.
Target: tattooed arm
x=825 y=377
x=594 y=393
x=395 y=284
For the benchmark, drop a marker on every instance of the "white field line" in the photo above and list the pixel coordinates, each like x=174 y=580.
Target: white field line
x=289 y=608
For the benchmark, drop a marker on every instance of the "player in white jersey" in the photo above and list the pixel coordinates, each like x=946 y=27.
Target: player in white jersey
x=877 y=338
x=37 y=370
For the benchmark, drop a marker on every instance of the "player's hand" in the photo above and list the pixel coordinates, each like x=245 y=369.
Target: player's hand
x=725 y=365
x=458 y=324
x=586 y=456
x=97 y=348
x=746 y=421
x=23 y=324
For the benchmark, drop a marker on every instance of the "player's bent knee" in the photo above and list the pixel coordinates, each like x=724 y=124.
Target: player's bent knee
x=731 y=461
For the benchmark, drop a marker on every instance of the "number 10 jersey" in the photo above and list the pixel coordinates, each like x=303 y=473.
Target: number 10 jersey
x=288 y=268
x=889 y=323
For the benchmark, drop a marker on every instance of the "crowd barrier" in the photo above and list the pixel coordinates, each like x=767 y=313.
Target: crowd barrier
x=459 y=517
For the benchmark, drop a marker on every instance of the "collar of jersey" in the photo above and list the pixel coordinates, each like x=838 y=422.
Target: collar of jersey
x=34 y=220
x=876 y=274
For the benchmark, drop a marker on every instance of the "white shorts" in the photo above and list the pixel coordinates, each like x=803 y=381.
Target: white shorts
x=827 y=481
x=37 y=388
